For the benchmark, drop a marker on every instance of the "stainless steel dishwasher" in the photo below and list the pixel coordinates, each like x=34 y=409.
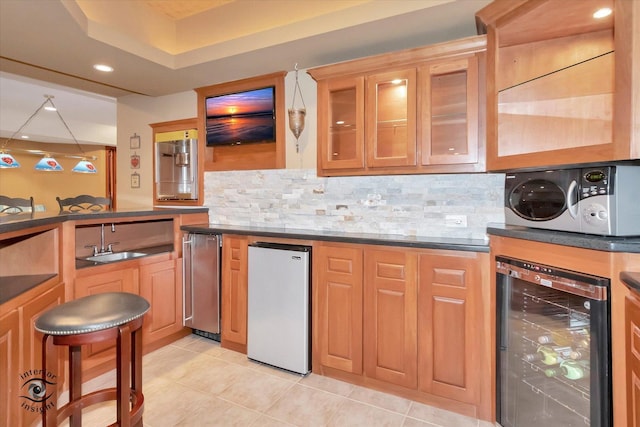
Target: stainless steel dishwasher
x=201 y=283
x=278 y=307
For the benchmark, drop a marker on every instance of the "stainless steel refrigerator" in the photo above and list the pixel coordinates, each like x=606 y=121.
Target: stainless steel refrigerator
x=201 y=283
x=278 y=306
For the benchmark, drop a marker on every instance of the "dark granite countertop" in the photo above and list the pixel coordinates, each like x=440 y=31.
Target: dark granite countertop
x=631 y=279
x=458 y=244
x=578 y=240
x=12 y=286
x=23 y=221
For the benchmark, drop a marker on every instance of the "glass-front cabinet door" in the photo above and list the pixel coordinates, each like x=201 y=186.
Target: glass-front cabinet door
x=391 y=119
x=449 y=119
x=342 y=127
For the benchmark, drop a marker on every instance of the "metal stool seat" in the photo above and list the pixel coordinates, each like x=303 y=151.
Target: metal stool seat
x=96 y=318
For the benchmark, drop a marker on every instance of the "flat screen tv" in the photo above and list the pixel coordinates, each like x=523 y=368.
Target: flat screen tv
x=241 y=117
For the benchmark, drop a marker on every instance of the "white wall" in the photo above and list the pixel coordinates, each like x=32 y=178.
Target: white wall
x=136 y=112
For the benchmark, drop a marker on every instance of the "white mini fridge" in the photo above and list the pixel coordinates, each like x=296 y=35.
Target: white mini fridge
x=278 y=327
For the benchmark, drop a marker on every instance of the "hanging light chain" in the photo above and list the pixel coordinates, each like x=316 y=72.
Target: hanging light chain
x=64 y=123
x=35 y=113
x=297 y=90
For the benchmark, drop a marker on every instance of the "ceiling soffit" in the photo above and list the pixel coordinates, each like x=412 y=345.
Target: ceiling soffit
x=179 y=38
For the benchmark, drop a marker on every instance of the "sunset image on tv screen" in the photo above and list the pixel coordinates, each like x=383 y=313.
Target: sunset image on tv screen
x=242 y=117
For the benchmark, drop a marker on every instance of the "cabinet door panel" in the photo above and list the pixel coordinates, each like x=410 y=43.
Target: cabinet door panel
x=160 y=285
x=338 y=307
x=341 y=126
x=449 y=94
x=10 y=367
x=32 y=345
x=112 y=281
x=234 y=290
x=632 y=311
x=449 y=345
x=390 y=319
x=391 y=119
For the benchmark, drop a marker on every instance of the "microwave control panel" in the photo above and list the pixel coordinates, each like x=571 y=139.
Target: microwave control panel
x=595 y=182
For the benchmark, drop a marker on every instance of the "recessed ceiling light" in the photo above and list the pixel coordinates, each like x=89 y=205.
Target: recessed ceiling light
x=50 y=108
x=25 y=137
x=103 y=67
x=602 y=13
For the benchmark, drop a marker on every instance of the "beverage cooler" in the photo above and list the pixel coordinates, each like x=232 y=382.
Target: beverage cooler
x=553 y=346
x=176 y=164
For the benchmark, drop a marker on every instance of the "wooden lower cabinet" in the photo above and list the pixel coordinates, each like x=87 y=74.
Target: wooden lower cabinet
x=390 y=316
x=337 y=307
x=21 y=357
x=412 y=318
x=123 y=280
x=448 y=304
x=632 y=316
x=234 y=292
x=161 y=286
x=10 y=366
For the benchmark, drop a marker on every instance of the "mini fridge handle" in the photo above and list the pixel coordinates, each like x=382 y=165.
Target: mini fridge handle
x=186 y=279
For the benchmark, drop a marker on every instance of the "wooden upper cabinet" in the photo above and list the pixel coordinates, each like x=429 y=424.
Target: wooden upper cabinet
x=375 y=118
x=341 y=127
x=449 y=119
x=559 y=82
x=391 y=119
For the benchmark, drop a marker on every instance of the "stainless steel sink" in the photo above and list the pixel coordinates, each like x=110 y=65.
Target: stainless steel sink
x=117 y=256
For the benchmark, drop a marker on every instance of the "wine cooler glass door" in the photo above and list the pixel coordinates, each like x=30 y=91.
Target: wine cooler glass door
x=553 y=347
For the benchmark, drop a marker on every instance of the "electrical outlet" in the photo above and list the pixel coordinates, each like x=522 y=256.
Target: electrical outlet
x=455 y=221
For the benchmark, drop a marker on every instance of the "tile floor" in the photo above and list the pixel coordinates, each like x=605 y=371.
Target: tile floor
x=195 y=382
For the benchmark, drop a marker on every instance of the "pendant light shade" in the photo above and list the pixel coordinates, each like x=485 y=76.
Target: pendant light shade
x=48 y=164
x=84 y=166
x=7 y=161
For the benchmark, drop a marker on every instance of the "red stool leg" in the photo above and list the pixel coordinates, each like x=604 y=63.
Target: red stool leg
x=123 y=370
x=136 y=374
x=75 y=384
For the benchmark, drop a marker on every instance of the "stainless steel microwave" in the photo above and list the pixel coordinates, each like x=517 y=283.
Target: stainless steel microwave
x=603 y=200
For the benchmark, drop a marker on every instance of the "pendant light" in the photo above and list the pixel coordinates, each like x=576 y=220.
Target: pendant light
x=7 y=161
x=47 y=163
x=297 y=115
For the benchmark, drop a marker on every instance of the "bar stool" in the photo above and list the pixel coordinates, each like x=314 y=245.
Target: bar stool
x=92 y=319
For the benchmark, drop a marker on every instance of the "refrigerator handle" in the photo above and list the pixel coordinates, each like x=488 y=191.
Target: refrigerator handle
x=504 y=296
x=186 y=280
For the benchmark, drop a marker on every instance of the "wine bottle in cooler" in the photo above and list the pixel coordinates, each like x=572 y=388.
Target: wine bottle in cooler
x=575 y=369
x=533 y=357
x=553 y=372
x=553 y=355
x=564 y=337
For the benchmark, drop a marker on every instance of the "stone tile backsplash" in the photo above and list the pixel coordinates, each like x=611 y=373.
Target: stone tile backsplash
x=411 y=205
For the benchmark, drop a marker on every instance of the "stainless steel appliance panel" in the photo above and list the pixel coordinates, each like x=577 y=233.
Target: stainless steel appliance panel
x=201 y=282
x=278 y=307
x=177 y=169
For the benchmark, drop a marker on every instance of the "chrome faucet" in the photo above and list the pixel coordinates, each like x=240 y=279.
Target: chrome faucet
x=103 y=250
